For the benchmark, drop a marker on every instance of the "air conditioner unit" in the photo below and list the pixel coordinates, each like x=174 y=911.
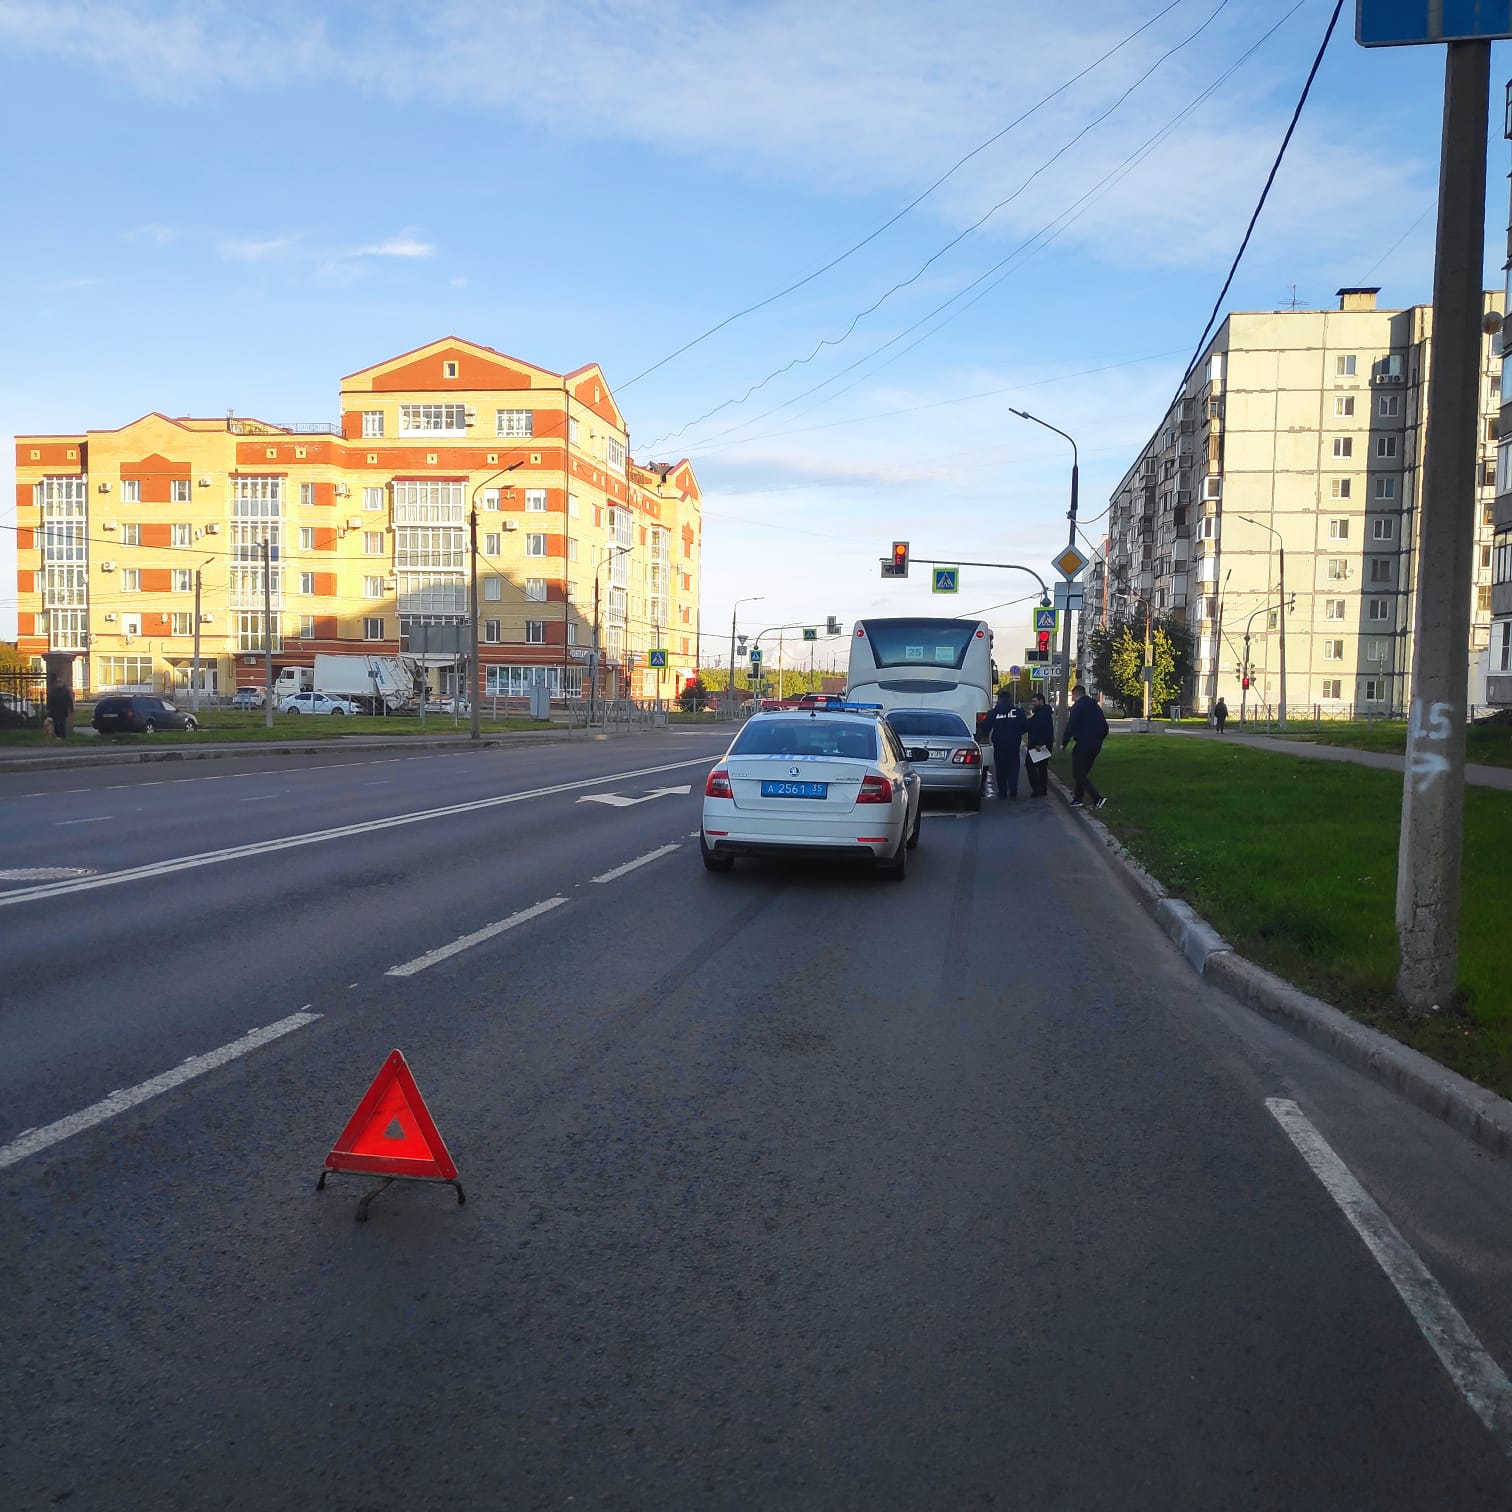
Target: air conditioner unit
x=107 y=524
x=110 y=619
x=162 y=619
x=213 y=528
x=511 y=524
x=104 y=488
x=354 y=522
x=472 y=415
x=207 y=619
x=342 y=490
x=107 y=566
x=204 y=482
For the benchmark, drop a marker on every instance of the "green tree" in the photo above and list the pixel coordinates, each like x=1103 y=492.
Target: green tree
x=1125 y=662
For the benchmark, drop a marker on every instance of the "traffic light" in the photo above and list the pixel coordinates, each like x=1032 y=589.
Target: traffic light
x=832 y=626
x=896 y=565
x=1246 y=682
x=1044 y=644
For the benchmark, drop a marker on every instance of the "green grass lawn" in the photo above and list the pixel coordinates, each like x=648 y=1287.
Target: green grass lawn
x=237 y=725
x=1490 y=744
x=1294 y=862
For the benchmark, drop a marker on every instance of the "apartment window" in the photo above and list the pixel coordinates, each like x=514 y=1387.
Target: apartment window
x=1389 y=406
x=1488 y=475
x=1333 y=650
x=1502 y=654
x=372 y=543
x=1333 y=609
x=1375 y=650
x=535 y=590
x=535 y=632
x=572 y=431
x=307 y=583
x=131 y=535
x=1340 y=488
x=573 y=506
x=306 y=534
x=448 y=369
x=432 y=419
x=1493 y=427
x=372 y=423
x=1338 y=569
x=179 y=536
x=125 y=671
x=131 y=580
x=131 y=624
x=535 y=501
x=572 y=632
x=535 y=544
x=1501 y=558
x=1343 y=446
x=1385 y=488
x=614 y=453
x=1380 y=569
x=181 y=624
x=491 y=499
x=1207 y=530
x=1374 y=689
x=1338 y=530
x=493 y=589
x=491 y=546
x=307 y=627
x=1485 y=555
x=372 y=628
x=1333 y=688
x=179 y=491
x=1386 y=446
x=372 y=587
x=1344 y=367
x=1483 y=600
x=1343 y=406
x=131 y=491
x=372 y=498
x=1378 y=609
x=183 y=580
x=572 y=550
x=491 y=632
x=514 y=422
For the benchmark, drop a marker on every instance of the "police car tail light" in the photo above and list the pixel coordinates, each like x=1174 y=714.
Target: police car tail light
x=874 y=789
x=718 y=785
x=967 y=756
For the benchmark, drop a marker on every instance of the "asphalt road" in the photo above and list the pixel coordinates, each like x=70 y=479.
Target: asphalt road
x=791 y=1187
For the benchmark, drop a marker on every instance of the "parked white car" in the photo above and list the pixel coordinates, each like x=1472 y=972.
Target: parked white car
x=316 y=703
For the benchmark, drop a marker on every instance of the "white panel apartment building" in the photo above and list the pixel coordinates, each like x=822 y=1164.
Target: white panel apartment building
x=1299 y=431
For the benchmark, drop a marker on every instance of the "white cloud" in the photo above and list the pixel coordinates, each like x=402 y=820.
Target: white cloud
x=405 y=244
x=154 y=234
x=271 y=249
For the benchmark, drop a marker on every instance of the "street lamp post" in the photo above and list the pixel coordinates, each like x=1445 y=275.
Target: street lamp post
x=730 y=691
x=1065 y=678
x=475 y=724
x=1281 y=592
x=594 y=679
x=194 y=699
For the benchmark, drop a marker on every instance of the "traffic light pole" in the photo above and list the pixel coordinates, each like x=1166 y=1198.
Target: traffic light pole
x=999 y=566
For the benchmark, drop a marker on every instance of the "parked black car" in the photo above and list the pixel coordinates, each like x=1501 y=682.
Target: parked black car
x=140 y=714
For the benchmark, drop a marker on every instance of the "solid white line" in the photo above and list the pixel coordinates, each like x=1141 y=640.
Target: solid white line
x=98 y=819
x=260 y=798
x=315 y=837
x=1482 y=1382
x=34 y=1140
x=630 y=866
x=441 y=952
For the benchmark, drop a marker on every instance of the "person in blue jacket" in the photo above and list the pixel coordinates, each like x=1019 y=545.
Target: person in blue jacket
x=1087 y=725
x=1005 y=727
x=1039 y=736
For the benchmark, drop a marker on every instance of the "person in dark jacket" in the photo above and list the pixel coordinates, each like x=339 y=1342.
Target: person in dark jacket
x=1039 y=736
x=1005 y=728
x=60 y=704
x=1088 y=727
x=1220 y=715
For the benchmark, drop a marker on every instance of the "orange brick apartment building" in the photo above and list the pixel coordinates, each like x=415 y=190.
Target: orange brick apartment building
x=367 y=530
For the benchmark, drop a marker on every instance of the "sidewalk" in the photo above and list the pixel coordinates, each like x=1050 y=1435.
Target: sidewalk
x=1476 y=774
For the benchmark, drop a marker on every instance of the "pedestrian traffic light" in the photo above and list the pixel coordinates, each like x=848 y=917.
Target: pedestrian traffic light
x=832 y=626
x=1246 y=682
x=1044 y=642
x=897 y=564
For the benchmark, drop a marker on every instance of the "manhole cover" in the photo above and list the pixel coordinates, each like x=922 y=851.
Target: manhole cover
x=44 y=873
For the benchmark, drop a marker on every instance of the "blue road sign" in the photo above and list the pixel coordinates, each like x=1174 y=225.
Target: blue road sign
x=1401 y=23
x=755 y=656
x=945 y=580
x=1045 y=619
x=1014 y=670
x=810 y=632
x=659 y=656
x=1039 y=674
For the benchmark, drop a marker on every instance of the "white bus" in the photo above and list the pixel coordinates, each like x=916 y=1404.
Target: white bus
x=923 y=664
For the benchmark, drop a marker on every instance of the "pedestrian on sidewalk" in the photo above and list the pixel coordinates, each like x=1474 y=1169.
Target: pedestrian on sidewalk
x=60 y=703
x=1039 y=741
x=1220 y=715
x=1005 y=728
x=1087 y=725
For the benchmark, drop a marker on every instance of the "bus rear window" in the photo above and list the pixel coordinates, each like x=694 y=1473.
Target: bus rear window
x=919 y=643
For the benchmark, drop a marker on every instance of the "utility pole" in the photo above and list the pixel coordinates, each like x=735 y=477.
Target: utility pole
x=475 y=701
x=1433 y=788
x=194 y=697
x=593 y=660
x=1149 y=666
x=1218 y=638
x=267 y=635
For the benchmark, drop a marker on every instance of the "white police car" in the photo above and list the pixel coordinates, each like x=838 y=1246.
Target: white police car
x=833 y=783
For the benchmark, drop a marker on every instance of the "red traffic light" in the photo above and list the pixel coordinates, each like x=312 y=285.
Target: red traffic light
x=1044 y=640
x=1246 y=682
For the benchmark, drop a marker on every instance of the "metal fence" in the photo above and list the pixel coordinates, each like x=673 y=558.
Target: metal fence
x=23 y=699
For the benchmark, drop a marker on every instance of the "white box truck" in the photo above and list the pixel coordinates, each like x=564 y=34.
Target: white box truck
x=373 y=683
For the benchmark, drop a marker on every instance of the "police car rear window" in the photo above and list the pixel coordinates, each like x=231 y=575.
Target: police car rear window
x=808 y=736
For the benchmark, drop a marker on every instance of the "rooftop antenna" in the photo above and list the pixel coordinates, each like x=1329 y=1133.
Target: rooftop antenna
x=1294 y=303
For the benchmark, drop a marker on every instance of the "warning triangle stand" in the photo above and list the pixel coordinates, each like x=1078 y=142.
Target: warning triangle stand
x=391 y=1135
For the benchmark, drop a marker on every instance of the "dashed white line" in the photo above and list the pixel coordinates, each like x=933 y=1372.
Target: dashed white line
x=630 y=866
x=477 y=937
x=1481 y=1381
x=96 y=819
x=31 y=1141
x=260 y=798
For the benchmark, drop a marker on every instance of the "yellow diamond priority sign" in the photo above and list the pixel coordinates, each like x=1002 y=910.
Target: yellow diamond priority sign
x=1069 y=562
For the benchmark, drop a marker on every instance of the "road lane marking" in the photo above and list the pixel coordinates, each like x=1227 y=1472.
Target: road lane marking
x=1481 y=1381
x=97 y=819
x=316 y=837
x=477 y=937
x=31 y=1141
x=44 y=873
x=630 y=866
x=615 y=800
x=260 y=798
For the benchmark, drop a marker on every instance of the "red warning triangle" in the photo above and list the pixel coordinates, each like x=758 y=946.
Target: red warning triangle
x=391 y=1133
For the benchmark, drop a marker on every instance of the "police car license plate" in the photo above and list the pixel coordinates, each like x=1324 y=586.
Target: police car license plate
x=795 y=789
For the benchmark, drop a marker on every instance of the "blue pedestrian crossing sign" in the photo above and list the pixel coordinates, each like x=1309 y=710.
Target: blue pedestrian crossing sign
x=811 y=632
x=945 y=580
x=658 y=656
x=1045 y=619
x=1039 y=673
x=755 y=656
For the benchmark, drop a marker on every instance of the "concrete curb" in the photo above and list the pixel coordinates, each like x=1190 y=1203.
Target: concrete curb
x=1462 y=1104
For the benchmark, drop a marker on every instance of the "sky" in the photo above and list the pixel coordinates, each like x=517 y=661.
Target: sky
x=221 y=206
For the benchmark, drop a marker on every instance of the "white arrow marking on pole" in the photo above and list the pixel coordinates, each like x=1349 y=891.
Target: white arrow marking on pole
x=614 y=800
x=1427 y=767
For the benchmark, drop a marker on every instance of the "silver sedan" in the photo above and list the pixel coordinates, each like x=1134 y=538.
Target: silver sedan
x=955 y=767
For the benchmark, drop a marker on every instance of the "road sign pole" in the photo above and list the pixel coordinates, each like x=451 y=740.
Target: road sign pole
x=1063 y=698
x=1433 y=788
